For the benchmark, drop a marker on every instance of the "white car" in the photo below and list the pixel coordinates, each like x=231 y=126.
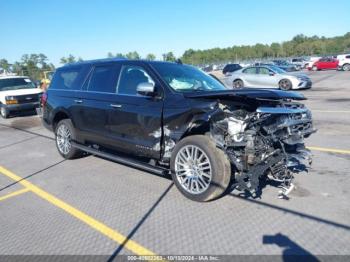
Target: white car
x=18 y=93
x=266 y=76
x=344 y=62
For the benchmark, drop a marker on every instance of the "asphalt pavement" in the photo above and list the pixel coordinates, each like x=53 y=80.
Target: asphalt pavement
x=91 y=206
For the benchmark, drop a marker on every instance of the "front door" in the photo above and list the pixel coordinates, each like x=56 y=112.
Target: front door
x=136 y=120
x=267 y=78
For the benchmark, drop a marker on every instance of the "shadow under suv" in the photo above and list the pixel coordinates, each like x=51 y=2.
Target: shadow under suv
x=168 y=117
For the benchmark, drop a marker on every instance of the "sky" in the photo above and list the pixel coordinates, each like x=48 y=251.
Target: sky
x=92 y=28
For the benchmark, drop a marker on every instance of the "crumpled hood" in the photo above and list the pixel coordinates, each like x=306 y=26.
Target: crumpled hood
x=253 y=93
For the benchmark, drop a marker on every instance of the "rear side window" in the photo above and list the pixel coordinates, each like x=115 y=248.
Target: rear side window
x=348 y=57
x=104 y=79
x=66 y=79
x=250 y=70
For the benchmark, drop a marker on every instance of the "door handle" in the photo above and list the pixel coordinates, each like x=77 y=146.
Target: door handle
x=116 y=106
x=78 y=101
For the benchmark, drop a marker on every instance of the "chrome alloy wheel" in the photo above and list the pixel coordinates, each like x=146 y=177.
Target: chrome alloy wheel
x=3 y=112
x=63 y=139
x=193 y=169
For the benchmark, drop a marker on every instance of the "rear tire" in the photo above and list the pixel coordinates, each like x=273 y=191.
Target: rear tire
x=346 y=67
x=200 y=170
x=4 y=113
x=285 y=84
x=238 y=84
x=64 y=134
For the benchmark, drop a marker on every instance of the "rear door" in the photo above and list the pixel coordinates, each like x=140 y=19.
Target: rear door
x=98 y=95
x=65 y=90
x=135 y=120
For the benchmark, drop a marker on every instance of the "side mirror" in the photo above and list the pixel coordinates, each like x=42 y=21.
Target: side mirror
x=271 y=74
x=145 y=89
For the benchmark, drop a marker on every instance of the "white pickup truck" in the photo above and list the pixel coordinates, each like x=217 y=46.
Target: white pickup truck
x=344 y=62
x=18 y=93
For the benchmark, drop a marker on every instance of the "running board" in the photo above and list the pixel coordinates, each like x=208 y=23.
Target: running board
x=122 y=160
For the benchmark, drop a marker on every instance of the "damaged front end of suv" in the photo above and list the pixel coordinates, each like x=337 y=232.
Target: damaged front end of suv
x=266 y=139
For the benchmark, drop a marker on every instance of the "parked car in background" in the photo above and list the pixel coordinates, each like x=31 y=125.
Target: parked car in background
x=230 y=68
x=344 y=62
x=173 y=118
x=298 y=62
x=311 y=61
x=324 y=63
x=285 y=65
x=268 y=77
x=17 y=93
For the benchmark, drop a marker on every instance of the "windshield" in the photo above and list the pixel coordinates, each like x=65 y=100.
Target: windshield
x=186 y=78
x=15 y=83
x=277 y=70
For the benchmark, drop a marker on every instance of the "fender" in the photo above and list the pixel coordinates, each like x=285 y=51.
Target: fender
x=61 y=110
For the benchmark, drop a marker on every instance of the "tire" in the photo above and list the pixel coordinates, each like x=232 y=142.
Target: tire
x=64 y=134
x=285 y=84
x=188 y=175
x=314 y=68
x=346 y=67
x=4 y=113
x=238 y=83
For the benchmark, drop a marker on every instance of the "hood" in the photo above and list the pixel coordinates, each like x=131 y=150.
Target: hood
x=19 y=92
x=249 y=93
x=297 y=74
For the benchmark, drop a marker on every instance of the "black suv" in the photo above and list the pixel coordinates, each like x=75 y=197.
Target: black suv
x=172 y=118
x=230 y=68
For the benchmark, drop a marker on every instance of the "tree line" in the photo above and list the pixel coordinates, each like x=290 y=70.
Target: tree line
x=300 y=45
x=33 y=65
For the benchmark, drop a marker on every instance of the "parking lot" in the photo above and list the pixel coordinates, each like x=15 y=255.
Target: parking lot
x=91 y=206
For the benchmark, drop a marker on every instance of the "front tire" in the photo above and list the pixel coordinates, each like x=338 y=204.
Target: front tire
x=4 y=113
x=200 y=170
x=346 y=67
x=238 y=84
x=285 y=84
x=64 y=135
x=314 y=68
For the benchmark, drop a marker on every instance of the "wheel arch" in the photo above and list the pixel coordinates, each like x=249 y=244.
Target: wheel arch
x=59 y=115
x=346 y=64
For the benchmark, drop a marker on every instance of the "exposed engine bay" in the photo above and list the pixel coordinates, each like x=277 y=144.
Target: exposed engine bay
x=266 y=142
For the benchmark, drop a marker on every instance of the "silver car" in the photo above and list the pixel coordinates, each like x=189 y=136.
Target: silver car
x=267 y=77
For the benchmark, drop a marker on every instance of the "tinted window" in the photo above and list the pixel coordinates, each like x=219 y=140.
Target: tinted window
x=15 y=83
x=348 y=56
x=231 y=67
x=130 y=77
x=250 y=70
x=264 y=71
x=103 y=79
x=66 y=79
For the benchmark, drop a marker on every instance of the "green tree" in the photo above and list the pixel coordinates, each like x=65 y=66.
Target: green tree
x=169 y=57
x=151 y=57
x=4 y=64
x=68 y=59
x=133 y=55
